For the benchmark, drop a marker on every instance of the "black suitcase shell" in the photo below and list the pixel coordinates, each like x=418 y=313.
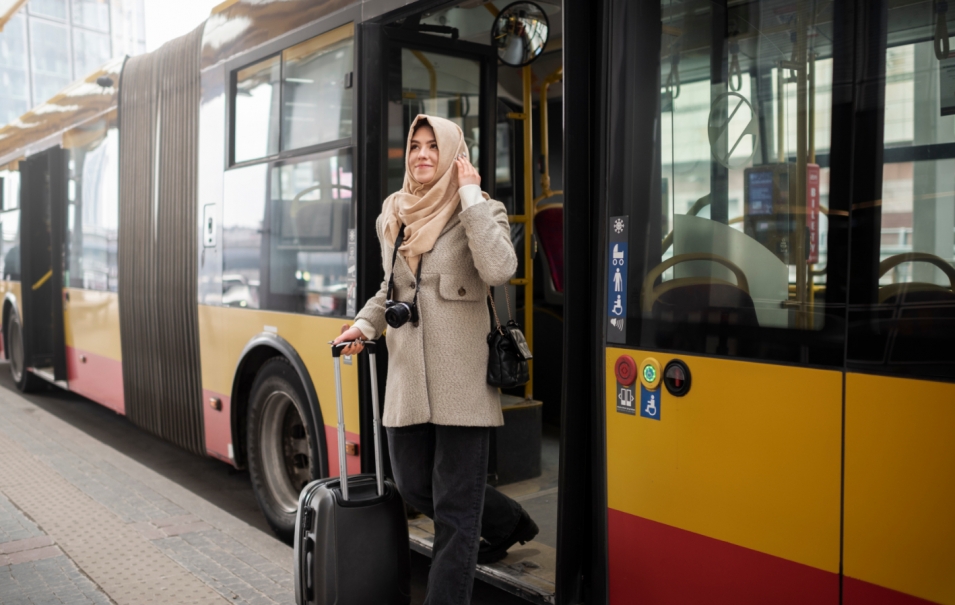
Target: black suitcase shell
x=352 y=550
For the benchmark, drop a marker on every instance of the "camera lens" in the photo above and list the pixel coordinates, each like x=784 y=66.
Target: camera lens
x=397 y=314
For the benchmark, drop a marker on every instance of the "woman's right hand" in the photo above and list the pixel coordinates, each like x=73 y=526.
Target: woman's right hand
x=350 y=333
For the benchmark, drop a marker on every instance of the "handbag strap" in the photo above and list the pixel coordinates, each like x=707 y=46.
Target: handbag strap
x=497 y=320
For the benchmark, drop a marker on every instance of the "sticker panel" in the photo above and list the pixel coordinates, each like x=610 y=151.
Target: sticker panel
x=617 y=262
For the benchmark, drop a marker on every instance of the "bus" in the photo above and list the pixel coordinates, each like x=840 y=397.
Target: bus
x=735 y=221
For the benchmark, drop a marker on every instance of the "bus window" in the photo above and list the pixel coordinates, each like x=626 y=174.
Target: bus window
x=902 y=320
x=311 y=213
x=245 y=191
x=317 y=89
x=313 y=104
x=736 y=244
x=93 y=207
x=10 y=224
x=256 y=110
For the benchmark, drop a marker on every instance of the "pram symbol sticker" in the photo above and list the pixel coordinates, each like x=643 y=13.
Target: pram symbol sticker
x=650 y=403
x=617 y=279
x=626 y=400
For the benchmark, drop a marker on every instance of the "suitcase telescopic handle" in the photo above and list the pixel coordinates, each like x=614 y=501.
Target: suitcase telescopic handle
x=342 y=466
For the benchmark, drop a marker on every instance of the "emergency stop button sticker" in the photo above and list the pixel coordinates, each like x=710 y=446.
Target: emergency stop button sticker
x=625 y=370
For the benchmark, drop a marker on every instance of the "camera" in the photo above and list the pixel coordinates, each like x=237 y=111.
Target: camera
x=398 y=313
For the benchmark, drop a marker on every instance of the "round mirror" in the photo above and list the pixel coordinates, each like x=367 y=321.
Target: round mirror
x=520 y=33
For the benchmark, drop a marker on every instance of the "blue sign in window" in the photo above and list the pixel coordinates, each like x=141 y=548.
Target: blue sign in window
x=617 y=281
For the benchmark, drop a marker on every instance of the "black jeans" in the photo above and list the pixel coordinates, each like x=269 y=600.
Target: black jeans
x=442 y=472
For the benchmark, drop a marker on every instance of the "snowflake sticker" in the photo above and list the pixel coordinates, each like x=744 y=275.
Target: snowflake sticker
x=618 y=225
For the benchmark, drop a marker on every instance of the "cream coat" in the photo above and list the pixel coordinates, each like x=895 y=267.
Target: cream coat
x=437 y=371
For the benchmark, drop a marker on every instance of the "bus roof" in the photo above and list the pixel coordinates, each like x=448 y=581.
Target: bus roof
x=44 y=125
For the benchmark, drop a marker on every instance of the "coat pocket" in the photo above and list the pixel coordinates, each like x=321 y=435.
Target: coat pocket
x=453 y=286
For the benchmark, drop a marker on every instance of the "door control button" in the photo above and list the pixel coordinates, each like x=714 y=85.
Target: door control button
x=626 y=370
x=676 y=377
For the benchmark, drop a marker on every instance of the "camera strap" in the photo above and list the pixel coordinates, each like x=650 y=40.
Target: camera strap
x=394 y=260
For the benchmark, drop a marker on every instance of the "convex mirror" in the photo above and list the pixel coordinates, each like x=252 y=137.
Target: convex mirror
x=520 y=33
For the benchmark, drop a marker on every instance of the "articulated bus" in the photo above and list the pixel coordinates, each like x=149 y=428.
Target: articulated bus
x=736 y=228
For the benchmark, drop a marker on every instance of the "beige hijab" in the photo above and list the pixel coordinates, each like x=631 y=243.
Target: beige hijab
x=425 y=208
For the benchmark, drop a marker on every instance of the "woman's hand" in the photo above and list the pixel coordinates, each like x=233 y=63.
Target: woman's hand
x=467 y=174
x=353 y=334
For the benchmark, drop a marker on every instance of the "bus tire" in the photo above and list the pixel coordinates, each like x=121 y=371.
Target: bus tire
x=26 y=382
x=282 y=445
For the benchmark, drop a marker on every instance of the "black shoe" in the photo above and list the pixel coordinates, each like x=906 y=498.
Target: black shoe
x=524 y=532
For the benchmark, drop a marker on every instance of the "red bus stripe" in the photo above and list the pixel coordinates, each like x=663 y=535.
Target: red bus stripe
x=857 y=592
x=659 y=564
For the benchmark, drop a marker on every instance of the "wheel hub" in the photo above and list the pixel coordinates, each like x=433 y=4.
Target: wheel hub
x=286 y=450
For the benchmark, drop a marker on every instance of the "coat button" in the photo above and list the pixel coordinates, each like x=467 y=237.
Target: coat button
x=411 y=285
x=462 y=292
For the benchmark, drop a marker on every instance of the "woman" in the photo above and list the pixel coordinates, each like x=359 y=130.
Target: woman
x=452 y=241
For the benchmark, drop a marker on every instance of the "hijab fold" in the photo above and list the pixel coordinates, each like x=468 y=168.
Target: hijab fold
x=426 y=208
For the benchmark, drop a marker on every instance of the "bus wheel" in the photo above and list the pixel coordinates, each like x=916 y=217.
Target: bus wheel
x=282 y=447
x=26 y=382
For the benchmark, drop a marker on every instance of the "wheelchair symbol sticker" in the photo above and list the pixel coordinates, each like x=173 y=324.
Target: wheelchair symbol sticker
x=649 y=403
x=728 y=126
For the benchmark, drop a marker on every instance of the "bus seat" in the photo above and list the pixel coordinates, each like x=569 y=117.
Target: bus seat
x=699 y=300
x=916 y=292
x=549 y=229
x=911 y=314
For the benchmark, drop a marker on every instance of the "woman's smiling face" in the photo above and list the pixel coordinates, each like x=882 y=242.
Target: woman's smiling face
x=423 y=156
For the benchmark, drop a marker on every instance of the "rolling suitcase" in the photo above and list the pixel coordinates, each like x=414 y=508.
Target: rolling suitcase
x=351 y=533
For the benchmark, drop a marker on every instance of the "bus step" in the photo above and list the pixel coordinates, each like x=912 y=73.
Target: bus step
x=528 y=571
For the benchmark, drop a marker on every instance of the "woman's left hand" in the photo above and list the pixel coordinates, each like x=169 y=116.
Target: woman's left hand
x=467 y=174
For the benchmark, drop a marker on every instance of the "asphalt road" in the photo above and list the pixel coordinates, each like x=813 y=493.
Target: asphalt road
x=215 y=481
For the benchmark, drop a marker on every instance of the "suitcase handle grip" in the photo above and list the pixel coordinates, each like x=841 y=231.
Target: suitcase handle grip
x=342 y=462
x=368 y=344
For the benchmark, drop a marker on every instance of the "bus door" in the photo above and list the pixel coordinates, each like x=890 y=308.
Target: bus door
x=899 y=530
x=407 y=72
x=441 y=63
x=42 y=203
x=724 y=314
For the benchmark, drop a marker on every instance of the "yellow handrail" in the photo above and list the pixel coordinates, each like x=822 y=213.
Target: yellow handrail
x=527 y=219
x=46 y=277
x=546 y=191
x=432 y=75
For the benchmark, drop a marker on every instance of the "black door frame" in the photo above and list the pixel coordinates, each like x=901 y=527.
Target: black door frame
x=581 y=552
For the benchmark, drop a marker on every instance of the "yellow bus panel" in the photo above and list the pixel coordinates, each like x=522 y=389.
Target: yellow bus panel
x=899 y=488
x=224 y=333
x=750 y=456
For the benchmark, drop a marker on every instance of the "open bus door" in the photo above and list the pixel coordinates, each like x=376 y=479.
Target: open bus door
x=420 y=63
x=42 y=228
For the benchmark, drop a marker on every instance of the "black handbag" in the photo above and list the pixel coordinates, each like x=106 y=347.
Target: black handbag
x=508 y=352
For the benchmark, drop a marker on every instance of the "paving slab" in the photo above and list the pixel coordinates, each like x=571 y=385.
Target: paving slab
x=82 y=523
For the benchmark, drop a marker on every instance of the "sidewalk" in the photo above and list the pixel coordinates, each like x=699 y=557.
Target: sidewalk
x=82 y=523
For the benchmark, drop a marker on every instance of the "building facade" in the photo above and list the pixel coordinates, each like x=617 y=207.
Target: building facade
x=50 y=43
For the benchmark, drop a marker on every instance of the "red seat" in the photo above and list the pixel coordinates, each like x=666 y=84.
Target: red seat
x=549 y=227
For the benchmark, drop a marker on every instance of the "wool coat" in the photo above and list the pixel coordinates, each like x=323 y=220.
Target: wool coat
x=437 y=370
